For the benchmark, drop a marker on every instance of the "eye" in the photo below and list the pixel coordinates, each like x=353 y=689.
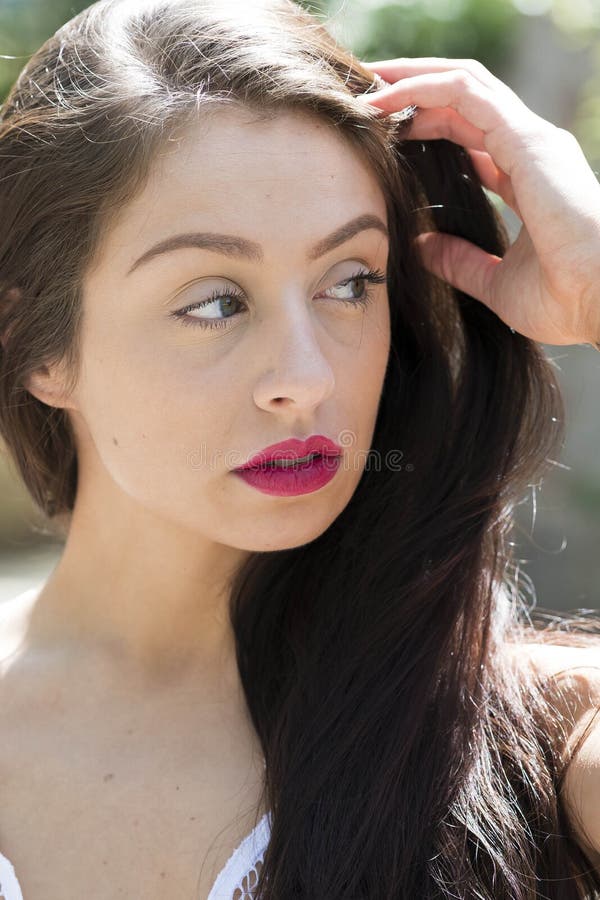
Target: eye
x=356 y=282
x=227 y=300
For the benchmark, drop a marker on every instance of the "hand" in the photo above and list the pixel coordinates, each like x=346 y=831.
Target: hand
x=547 y=285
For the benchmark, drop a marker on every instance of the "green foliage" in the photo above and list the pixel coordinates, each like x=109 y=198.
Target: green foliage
x=585 y=495
x=24 y=26
x=452 y=28
x=587 y=117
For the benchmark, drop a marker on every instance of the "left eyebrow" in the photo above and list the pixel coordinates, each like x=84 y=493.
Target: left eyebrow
x=233 y=245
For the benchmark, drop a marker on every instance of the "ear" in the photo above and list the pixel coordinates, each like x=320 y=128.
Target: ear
x=48 y=384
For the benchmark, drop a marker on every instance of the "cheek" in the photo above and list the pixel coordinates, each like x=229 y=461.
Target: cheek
x=367 y=366
x=165 y=413
x=373 y=370
x=151 y=412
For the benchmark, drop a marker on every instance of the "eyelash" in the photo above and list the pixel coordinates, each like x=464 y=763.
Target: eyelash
x=372 y=276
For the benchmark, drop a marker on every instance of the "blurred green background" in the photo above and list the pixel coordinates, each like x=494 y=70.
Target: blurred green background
x=548 y=51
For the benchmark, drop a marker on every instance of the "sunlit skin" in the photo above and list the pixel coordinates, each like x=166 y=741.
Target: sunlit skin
x=162 y=412
x=140 y=594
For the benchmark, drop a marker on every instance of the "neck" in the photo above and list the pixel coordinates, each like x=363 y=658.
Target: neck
x=150 y=601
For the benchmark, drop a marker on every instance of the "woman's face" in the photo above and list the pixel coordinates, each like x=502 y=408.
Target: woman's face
x=166 y=405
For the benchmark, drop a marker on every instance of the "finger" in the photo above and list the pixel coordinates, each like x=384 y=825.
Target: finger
x=460 y=263
x=433 y=124
x=405 y=66
x=494 y=178
x=458 y=89
x=430 y=124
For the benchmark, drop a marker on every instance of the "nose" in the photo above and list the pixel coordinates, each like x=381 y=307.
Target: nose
x=301 y=376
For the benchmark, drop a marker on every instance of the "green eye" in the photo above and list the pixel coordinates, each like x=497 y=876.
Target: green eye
x=343 y=286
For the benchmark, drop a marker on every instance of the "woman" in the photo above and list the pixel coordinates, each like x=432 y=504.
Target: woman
x=248 y=675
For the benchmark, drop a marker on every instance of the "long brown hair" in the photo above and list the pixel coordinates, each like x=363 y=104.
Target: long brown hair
x=404 y=757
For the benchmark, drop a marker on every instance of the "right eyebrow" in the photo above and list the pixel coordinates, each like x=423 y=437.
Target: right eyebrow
x=235 y=246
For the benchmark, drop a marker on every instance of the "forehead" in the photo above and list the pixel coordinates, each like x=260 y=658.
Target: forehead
x=288 y=177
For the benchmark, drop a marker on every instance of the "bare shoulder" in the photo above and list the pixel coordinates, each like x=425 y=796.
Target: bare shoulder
x=548 y=657
x=575 y=671
x=572 y=674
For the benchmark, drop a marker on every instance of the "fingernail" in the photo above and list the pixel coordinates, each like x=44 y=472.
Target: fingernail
x=380 y=82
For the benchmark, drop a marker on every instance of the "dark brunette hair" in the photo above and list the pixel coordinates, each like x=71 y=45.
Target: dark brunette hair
x=406 y=755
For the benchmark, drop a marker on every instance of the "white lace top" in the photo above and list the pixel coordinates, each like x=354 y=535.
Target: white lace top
x=235 y=881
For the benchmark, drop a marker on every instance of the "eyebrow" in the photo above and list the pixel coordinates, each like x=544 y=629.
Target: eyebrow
x=234 y=246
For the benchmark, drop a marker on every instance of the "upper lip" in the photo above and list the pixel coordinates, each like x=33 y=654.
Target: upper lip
x=294 y=448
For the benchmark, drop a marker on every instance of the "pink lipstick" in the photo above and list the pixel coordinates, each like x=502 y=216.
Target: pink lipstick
x=293 y=467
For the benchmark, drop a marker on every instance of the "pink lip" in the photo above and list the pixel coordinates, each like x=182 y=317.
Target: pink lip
x=304 y=478
x=294 y=449
x=301 y=479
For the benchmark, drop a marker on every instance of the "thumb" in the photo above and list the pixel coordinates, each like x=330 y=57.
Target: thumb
x=459 y=262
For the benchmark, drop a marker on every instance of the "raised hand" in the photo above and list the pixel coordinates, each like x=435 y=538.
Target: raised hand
x=547 y=285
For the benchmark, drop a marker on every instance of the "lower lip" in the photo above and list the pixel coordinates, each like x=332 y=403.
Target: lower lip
x=294 y=480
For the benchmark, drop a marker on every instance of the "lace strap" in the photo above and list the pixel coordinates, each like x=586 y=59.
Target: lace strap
x=239 y=872
x=10 y=888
